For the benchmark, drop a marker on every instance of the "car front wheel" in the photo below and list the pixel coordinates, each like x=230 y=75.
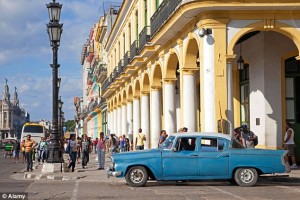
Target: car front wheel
x=136 y=176
x=246 y=177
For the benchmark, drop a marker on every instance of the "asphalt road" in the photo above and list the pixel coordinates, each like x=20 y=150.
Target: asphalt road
x=7 y=169
x=97 y=186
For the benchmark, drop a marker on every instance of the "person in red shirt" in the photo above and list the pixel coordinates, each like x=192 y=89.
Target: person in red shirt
x=95 y=145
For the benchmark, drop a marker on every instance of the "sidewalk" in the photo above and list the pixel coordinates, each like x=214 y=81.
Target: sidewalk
x=91 y=173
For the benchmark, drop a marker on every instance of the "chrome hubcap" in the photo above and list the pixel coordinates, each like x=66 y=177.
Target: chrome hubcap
x=136 y=175
x=247 y=176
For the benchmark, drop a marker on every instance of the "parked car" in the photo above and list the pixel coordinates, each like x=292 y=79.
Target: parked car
x=197 y=156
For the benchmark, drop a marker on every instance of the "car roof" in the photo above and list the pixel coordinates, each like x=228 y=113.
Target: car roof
x=195 y=134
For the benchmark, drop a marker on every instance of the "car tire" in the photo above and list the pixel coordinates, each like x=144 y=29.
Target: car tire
x=136 y=176
x=246 y=177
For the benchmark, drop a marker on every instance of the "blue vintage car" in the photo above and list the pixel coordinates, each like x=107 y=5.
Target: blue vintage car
x=197 y=156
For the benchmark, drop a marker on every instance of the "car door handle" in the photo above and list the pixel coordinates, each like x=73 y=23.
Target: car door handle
x=224 y=155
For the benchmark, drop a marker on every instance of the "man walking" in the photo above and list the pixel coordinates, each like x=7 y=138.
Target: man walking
x=85 y=149
x=101 y=148
x=139 y=140
x=29 y=146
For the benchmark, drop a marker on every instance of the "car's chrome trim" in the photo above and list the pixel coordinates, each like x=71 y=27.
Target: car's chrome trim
x=110 y=173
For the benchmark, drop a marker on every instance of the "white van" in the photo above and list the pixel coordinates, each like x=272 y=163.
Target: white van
x=37 y=131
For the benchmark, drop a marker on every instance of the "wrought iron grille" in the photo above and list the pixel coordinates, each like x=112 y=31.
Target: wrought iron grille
x=144 y=37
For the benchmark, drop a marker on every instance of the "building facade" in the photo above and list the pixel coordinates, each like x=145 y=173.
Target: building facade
x=12 y=117
x=174 y=63
x=92 y=108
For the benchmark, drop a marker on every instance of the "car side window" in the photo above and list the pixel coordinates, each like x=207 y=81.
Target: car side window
x=186 y=144
x=212 y=144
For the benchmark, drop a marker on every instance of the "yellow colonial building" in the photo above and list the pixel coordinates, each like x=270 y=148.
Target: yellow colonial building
x=205 y=65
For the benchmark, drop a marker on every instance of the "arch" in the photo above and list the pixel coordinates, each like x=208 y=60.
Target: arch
x=115 y=102
x=156 y=76
x=124 y=97
x=171 y=66
x=145 y=87
x=119 y=99
x=282 y=28
x=129 y=93
x=191 y=54
x=137 y=89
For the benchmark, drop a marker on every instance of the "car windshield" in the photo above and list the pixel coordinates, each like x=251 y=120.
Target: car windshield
x=168 y=143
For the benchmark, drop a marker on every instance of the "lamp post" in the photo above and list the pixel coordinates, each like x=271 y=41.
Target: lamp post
x=54 y=31
x=60 y=105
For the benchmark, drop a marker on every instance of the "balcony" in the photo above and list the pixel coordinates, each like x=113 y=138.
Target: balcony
x=162 y=14
x=126 y=60
x=115 y=72
x=120 y=67
x=144 y=37
x=102 y=73
x=133 y=49
x=104 y=86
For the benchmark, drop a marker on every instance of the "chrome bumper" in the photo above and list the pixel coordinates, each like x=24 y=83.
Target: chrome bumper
x=110 y=172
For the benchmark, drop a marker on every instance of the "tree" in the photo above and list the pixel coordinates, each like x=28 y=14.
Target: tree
x=70 y=125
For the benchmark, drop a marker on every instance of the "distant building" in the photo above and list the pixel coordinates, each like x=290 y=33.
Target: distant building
x=12 y=117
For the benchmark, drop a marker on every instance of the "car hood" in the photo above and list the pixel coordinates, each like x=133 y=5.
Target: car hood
x=137 y=154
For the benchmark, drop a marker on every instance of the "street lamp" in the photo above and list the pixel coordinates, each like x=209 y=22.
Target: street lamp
x=60 y=105
x=54 y=31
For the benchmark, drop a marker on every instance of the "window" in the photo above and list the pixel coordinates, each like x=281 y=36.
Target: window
x=104 y=122
x=245 y=92
x=212 y=144
x=186 y=144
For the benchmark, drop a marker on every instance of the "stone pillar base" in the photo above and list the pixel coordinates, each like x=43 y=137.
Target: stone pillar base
x=54 y=167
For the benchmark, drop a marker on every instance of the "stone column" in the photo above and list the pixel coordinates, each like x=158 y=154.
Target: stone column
x=145 y=117
x=119 y=121
x=124 y=120
x=155 y=116
x=129 y=119
x=189 y=100
x=169 y=106
x=230 y=96
x=115 y=121
x=136 y=117
x=209 y=84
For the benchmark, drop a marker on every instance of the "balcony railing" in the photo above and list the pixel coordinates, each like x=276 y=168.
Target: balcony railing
x=144 y=37
x=105 y=86
x=164 y=11
x=116 y=74
x=126 y=59
x=133 y=49
x=102 y=73
x=120 y=67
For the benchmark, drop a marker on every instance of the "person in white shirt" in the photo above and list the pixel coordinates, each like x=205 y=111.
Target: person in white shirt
x=289 y=145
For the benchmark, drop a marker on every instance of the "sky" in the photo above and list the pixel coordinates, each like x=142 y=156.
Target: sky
x=26 y=55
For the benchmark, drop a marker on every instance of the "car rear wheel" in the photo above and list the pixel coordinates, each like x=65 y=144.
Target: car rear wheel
x=136 y=176
x=246 y=177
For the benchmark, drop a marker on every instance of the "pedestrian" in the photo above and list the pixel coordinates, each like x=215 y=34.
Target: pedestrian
x=95 y=142
x=16 y=149
x=236 y=140
x=122 y=143
x=101 y=148
x=72 y=149
x=289 y=145
x=85 y=150
x=113 y=144
x=163 y=136
x=29 y=147
x=127 y=143
x=47 y=150
x=184 y=129
x=79 y=150
x=42 y=148
x=248 y=137
x=23 y=151
x=139 y=140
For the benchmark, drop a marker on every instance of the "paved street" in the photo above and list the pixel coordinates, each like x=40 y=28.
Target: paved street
x=95 y=185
